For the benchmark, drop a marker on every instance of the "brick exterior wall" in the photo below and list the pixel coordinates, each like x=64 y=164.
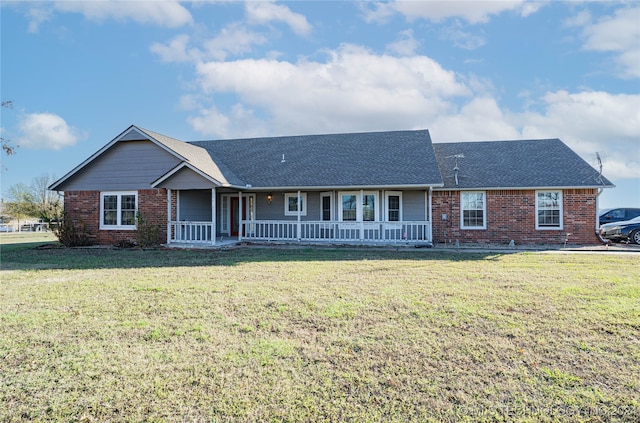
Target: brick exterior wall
x=83 y=207
x=511 y=215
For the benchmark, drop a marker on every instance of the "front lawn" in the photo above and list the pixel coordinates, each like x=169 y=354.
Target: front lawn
x=277 y=334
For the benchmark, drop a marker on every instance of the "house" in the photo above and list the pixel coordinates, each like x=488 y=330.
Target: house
x=375 y=187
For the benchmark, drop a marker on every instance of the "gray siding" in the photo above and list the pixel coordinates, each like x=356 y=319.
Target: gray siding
x=133 y=135
x=186 y=178
x=413 y=205
x=195 y=205
x=275 y=210
x=128 y=165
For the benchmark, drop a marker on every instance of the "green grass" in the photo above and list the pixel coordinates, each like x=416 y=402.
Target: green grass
x=278 y=334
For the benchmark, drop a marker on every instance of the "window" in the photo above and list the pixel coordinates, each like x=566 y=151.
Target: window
x=369 y=207
x=394 y=206
x=349 y=207
x=548 y=210
x=472 y=210
x=325 y=207
x=118 y=210
x=291 y=204
x=357 y=206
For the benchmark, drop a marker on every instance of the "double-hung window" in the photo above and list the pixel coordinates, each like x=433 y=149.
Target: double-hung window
x=292 y=202
x=473 y=210
x=118 y=210
x=548 y=209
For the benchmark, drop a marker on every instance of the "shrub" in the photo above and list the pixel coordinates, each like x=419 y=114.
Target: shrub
x=72 y=235
x=147 y=235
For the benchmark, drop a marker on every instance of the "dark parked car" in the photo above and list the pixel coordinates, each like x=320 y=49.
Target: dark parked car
x=618 y=215
x=628 y=230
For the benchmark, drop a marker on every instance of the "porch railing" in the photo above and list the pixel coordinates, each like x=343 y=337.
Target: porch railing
x=191 y=232
x=278 y=230
x=287 y=230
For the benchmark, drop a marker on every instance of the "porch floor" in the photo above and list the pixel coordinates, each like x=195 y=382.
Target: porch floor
x=229 y=242
x=224 y=243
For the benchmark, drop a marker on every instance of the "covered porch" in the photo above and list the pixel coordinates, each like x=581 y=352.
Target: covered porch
x=215 y=216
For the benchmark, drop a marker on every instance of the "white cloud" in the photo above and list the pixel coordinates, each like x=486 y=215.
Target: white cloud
x=618 y=34
x=406 y=45
x=162 y=13
x=481 y=119
x=591 y=122
x=264 y=12
x=473 y=12
x=353 y=90
x=233 y=39
x=240 y=122
x=176 y=50
x=462 y=39
x=46 y=131
x=36 y=16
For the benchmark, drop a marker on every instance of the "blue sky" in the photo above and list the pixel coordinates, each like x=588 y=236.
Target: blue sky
x=79 y=73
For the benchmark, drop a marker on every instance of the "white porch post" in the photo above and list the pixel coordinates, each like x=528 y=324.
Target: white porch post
x=384 y=214
x=299 y=208
x=240 y=220
x=430 y=213
x=213 y=216
x=359 y=207
x=168 y=216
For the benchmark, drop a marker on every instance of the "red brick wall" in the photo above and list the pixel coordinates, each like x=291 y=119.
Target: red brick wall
x=83 y=207
x=511 y=215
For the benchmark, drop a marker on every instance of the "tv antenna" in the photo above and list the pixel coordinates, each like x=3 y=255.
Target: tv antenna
x=456 y=169
x=599 y=178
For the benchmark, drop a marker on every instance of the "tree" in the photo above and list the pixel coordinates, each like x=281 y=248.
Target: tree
x=34 y=201
x=21 y=202
x=48 y=202
x=8 y=148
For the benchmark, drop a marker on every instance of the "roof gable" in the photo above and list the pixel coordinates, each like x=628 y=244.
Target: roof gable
x=542 y=163
x=181 y=151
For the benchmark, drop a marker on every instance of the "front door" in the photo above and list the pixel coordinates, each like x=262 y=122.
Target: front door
x=235 y=214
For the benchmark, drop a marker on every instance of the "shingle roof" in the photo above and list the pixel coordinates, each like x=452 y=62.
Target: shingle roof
x=515 y=164
x=197 y=157
x=396 y=158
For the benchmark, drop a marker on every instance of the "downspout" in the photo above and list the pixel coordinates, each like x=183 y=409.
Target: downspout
x=597 y=222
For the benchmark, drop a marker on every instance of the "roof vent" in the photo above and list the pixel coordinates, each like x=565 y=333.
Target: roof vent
x=283 y=160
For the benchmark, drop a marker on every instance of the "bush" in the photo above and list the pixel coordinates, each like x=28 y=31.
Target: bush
x=71 y=235
x=124 y=243
x=147 y=235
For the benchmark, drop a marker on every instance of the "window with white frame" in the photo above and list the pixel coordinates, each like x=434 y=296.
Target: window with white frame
x=369 y=207
x=292 y=202
x=394 y=206
x=548 y=209
x=473 y=211
x=348 y=207
x=118 y=210
x=357 y=206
